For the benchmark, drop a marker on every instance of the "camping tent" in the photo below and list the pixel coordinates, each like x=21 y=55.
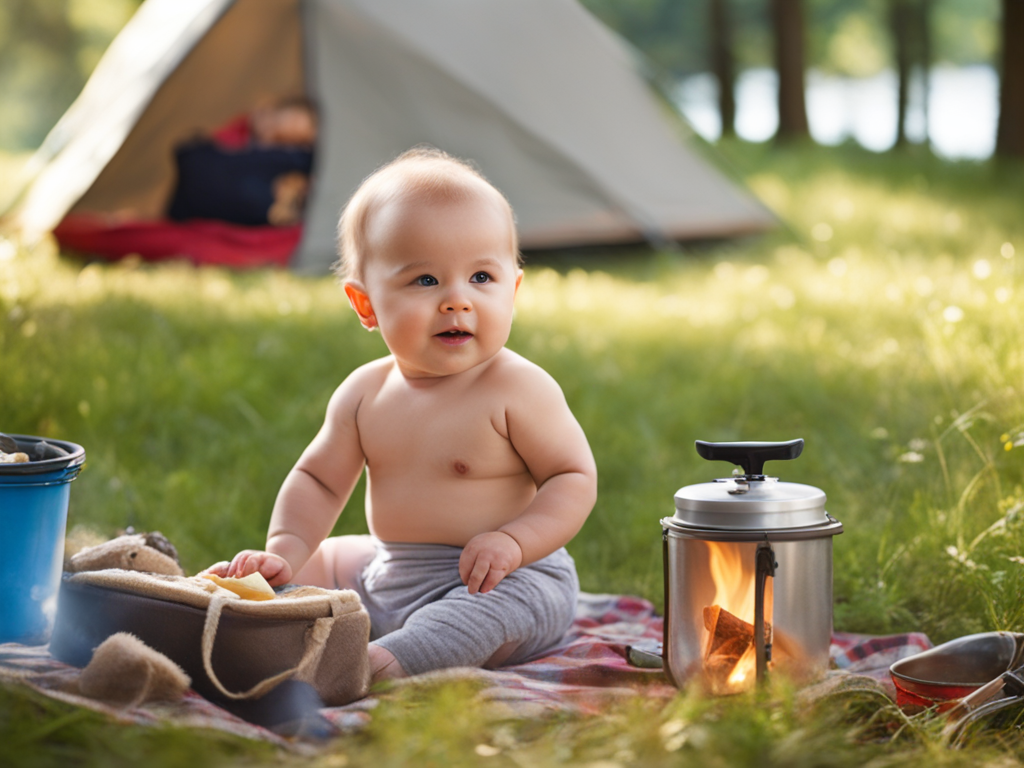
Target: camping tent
x=542 y=97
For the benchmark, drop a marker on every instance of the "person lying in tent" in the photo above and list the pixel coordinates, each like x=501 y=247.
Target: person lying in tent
x=253 y=171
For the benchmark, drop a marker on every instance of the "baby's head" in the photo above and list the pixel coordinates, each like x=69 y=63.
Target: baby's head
x=429 y=257
x=290 y=122
x=419 y=177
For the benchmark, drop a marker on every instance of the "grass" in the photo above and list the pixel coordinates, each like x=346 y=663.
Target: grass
x=882 y=324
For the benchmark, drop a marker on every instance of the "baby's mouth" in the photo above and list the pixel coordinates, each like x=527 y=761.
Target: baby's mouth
x=454 y=337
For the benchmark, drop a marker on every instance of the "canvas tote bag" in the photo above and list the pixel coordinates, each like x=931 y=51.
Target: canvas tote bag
x=233 y=649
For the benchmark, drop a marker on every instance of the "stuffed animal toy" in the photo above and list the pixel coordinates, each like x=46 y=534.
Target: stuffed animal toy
x=126 y=672
x=147 y=552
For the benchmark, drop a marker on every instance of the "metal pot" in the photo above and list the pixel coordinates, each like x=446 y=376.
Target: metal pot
x=748 y=574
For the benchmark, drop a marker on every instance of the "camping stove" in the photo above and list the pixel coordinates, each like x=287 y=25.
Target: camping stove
x=748 y=574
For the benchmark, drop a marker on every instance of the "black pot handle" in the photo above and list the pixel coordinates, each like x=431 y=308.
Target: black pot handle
x=750 y=456
x=764 y=569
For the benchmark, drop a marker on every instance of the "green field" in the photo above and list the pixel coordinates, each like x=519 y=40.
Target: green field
x=882 y=323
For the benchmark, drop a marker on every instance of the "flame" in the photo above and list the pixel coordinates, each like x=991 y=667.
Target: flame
x=733 y=577
x=744 y=674
x=732 y=570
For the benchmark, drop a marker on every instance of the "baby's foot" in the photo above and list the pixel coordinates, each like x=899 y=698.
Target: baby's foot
x=383 y=664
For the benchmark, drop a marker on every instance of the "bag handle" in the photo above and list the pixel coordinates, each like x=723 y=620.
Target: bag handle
x=315 y=642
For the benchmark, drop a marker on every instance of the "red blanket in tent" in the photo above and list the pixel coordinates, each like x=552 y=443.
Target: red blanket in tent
x=199 y=241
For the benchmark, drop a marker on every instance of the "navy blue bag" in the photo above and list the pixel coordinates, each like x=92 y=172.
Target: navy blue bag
x=233 y=185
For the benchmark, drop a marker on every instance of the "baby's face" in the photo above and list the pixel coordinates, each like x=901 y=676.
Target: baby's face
x=441 y=279
x=284 y=126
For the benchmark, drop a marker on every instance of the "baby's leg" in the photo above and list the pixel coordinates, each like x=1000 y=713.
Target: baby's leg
x=383 y=664
x=526 y=614
x=337 y=562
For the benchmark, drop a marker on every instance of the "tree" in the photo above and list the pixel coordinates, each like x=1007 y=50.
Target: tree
x=47 y=50
x=901 y=24
x=788 y=31
x=1010 y=132
x=910 y=27
x=924 y=27
x=723 y=64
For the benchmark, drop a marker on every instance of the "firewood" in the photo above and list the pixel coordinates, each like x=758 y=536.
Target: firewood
x=729 y=640
x=724 y=628
x=727 y=632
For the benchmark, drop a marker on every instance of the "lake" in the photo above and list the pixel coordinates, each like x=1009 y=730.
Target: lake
x=962 y=111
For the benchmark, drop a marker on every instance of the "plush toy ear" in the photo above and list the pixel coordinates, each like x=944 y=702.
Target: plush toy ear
x=360 y=302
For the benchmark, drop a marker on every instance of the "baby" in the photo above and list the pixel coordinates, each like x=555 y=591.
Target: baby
x=477 y=472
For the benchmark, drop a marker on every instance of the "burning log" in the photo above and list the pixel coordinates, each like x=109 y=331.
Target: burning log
x=730 y=657
x=730 y=650
x=728 y=634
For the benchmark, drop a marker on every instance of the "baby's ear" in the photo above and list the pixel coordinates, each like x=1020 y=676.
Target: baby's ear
x=360 y=302
x=519 y=279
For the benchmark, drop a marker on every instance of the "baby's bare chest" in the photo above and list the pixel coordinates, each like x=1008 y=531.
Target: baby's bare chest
x=454 y=436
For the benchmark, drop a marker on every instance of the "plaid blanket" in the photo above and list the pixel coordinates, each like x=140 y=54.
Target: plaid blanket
x=583 y=675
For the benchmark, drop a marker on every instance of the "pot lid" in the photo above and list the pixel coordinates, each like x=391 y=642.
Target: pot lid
x=735 y=504
x=750 y=501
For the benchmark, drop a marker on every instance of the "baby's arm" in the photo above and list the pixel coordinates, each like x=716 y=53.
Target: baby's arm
x=314 y=492
x=551 y=442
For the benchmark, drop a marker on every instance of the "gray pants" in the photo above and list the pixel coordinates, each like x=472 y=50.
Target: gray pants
x=422 y=613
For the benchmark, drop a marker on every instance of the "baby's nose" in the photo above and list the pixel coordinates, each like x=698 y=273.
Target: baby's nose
x=455 y=303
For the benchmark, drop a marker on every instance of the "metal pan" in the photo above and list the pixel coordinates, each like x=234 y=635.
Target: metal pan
x=957 y=670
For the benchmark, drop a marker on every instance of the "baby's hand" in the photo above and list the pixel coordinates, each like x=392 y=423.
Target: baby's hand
x=275 y=569
x=487 y=559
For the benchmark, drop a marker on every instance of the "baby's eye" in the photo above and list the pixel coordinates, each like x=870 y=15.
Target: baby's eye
x=427 y=280
x=480 y=277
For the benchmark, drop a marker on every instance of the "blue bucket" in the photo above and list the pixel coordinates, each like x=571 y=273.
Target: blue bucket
x=33 y=515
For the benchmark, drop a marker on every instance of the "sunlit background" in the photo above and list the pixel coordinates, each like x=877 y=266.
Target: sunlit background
x=48 y=49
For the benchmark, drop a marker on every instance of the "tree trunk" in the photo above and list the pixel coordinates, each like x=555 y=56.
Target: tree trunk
x=900 y=26
x=723 y=64
x=924 y=26
x=788 y=27
x=1010 y=133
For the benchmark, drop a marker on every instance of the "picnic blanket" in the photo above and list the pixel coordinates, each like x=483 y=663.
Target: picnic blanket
x=583 y=675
